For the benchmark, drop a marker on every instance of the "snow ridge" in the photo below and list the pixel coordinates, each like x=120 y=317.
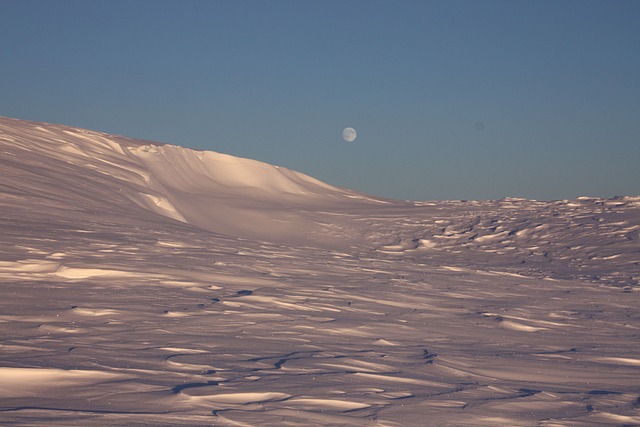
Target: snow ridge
x=213 y=191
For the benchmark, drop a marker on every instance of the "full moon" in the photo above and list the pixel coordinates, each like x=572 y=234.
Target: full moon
x=349 y=134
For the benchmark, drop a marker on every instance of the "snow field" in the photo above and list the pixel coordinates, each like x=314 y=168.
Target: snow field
x=118 y=308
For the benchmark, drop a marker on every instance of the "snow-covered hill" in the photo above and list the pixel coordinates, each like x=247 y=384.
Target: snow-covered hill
x=217 y=192
x=150 y=284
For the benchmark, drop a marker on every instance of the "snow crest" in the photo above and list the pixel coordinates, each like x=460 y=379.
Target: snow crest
x=217 y=192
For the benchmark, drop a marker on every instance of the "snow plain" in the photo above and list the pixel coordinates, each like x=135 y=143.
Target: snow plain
x=152 y=285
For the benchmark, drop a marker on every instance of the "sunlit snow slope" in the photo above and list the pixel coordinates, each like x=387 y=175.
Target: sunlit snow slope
x=150 y=284
x=216 y=192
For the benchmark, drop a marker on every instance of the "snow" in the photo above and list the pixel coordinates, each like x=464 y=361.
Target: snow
x=150 y=284
x=33 y=382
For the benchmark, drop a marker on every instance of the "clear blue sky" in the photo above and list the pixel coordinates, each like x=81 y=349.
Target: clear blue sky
x=451 y=99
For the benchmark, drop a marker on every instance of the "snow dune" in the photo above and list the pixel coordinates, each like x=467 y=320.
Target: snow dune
x=150 y=284
x=34 y=382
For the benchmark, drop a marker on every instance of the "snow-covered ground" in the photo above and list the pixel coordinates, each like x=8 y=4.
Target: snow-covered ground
x=149 y=284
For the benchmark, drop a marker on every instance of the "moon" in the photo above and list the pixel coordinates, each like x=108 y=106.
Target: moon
x=349 y=134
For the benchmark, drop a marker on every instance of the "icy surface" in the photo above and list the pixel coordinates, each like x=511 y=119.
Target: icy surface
x=148 y=284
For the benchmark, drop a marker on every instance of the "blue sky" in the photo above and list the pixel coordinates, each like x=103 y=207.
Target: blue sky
x=451 y=99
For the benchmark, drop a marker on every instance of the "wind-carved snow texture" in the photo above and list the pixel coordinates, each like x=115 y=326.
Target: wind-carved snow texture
x=147 y=284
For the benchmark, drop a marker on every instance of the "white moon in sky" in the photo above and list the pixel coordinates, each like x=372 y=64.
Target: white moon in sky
x=349 y=134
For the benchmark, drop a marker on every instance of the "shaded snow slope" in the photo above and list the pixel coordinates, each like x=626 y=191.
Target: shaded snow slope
x=152 y=285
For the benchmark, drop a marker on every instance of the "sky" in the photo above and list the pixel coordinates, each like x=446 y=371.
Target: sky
x=450 y=99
